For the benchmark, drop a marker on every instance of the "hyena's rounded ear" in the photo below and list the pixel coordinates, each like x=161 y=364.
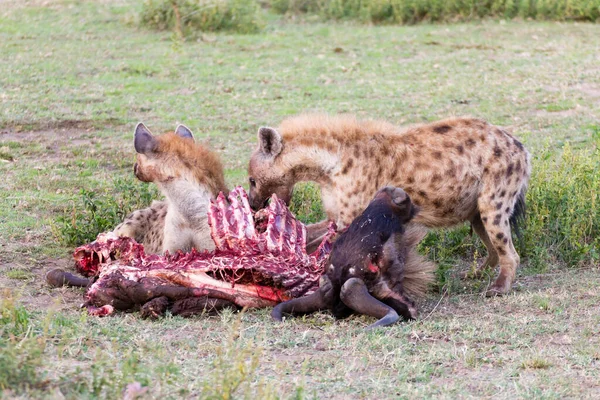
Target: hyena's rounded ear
x=270 y=141
x=143 y=141
x=184 y=132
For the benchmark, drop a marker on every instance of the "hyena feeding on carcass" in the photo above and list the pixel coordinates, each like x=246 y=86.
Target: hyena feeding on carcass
x=189 y=176
x=455 y=170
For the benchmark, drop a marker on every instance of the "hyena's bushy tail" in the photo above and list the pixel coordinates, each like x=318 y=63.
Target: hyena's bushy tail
x=518 y=217
x=418 y=272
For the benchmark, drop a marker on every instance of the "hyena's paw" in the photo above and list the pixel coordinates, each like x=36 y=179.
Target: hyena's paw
x=501 y=287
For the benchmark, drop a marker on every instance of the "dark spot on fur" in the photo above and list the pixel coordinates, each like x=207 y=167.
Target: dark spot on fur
x=451 y=172
x=497 y=151
x=509 y=170
x=470 y=143
x=128 y=223
x=497 y=219
x=501 y=251
x=437 y=203
x=493 y=196
x=480 y=161
x=507 y=209
x=356 y=151
x=422 y=194
x=518 y=166
x=499 y=235
x=518 y=144
x=410 y=179
x=442 y=129
x=497 y=177
x=437 y=155
x=347 y=167
x=499 y=205
x=448 y=211
x=485 y=170
x=460 y=149
x=502 y=193
x=505 y=241
x=436 y=178
x=484 y=219
x=482 y=138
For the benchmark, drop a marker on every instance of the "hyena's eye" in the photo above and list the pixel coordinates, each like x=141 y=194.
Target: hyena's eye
x=252 y=182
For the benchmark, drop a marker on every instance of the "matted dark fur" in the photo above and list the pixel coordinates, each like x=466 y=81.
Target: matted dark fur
x=373 y=265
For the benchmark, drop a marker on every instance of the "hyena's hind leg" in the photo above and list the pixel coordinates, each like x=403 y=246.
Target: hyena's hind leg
x=498 y=212
x=146 y=226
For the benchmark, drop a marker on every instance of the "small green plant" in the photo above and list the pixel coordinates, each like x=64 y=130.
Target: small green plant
x=306 y=203
x=536 y=363
x=543 y=303
x=413 y=11
x=563 y=210
x=95 y=212
x=18 y=274
x=188 y=16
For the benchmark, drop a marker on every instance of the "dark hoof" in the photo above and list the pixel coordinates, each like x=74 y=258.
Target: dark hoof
x=399 y=196
x=58 y=278
x=155 y=308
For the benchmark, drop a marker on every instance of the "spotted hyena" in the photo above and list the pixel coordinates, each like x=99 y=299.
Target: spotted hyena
x=189 y=176
x=455 y=170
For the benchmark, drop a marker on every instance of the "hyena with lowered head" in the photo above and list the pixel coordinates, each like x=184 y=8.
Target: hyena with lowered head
x=189 y=176
x=455 y=170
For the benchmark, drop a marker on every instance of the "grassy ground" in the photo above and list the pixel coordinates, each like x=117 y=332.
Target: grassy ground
x=76 y=76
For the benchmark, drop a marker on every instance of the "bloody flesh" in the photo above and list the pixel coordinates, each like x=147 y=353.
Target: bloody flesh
x=259 y=261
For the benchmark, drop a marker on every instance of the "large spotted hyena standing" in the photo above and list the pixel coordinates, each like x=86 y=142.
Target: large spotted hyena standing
x=455 y=170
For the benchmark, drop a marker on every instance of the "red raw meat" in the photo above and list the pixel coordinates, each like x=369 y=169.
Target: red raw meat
x=259 y=261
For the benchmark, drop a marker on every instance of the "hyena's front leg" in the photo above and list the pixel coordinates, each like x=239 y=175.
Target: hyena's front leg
x=491 y=261
x=315 y=234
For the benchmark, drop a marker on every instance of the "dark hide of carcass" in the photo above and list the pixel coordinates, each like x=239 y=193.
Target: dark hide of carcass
x=258 y=262
x=373 y=265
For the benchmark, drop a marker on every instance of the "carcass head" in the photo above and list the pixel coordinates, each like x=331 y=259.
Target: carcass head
x=267 y=172
x=365 y=267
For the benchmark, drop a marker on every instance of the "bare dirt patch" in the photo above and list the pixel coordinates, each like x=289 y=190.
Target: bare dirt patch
x=33 y=291
x=68 y=124
x=589 y=90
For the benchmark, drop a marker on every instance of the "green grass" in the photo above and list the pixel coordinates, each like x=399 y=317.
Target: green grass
x=413 y=11
x=77 y=76
x=189 y=16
